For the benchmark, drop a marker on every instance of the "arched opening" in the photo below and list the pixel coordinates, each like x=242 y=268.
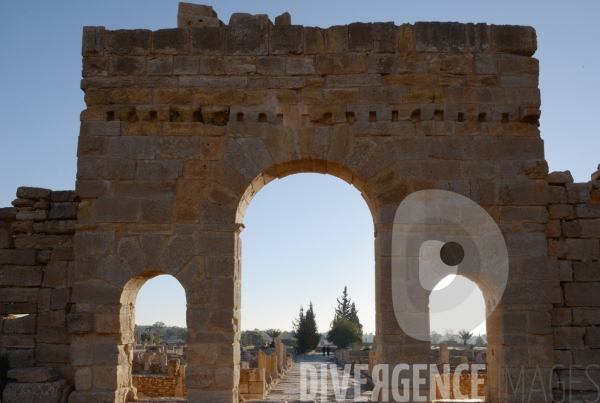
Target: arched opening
x=457 y=317
x=154 y=311
x=306 y=238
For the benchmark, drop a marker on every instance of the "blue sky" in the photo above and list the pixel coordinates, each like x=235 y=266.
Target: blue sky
x=40 y=102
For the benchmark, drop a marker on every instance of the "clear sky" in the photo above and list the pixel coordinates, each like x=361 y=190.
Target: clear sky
x=40 y=102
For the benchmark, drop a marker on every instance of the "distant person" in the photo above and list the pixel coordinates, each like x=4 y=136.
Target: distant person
x=328 y=350
x=323 y=349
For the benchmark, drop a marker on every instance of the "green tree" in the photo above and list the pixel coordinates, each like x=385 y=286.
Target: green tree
x=465 y=335
x=305 y=331
x=343 y=333
x=479 y=341
x=354 y=317
x=176 y=332
x=347 y=309
x=435 y=337
x=255 y=338
x=343 y=308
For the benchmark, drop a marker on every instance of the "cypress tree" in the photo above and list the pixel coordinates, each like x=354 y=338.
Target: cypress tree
x=346 y=309
x=306 y=331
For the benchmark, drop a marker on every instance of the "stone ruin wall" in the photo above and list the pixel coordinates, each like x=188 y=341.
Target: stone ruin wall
x=573 y=230
x=156 y=386
x=183 y=126
x=36 y=278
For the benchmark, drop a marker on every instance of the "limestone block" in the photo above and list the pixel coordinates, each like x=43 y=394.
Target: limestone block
x=23 y=276
x=300 y=66
x=519 y=40
x=34 y=215
x=360 y=37
x=42 y=242
x=96 y=291
x=19 y=294
x=314 y=40
x=487 y=64
x=116 y=210
x=8 y=213
x=48 y=392
x=570 y=229
x=127 y=65
x=63 y=196
x=160 y=65
x=477 y=35
x=557 y=195
x=198 y=377
x=52 y=318
x=582 y=295
x=83 y=379
x=22 y=325
x=561 y=211
x=440 y=37
x=80 y=322
x=59 y=298
x=384 y=37
x=283 y=19
x=196 y=15
x=579 y=249
x=92 y=43
x=185 y=65
x=52 y=335
x=587 y=210
x=207 y=40
x=99 y=129
x=33 y=375
x=33 y=193
x=576 y=193
x=170 y=41
x=590 y=228
x=337 y=39
x=586 y=358
x=286 y=39
x=81 y=352
x=248 y=34
x=227 y=377
x=129 y=42
x=382 y=64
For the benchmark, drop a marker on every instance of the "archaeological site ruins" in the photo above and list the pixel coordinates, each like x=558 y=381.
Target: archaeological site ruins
x=183 y=126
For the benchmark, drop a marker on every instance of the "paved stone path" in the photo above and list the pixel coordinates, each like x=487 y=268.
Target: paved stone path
x=289 y=387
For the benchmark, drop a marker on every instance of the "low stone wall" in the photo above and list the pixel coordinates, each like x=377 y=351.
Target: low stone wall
x=156 y=385
x=252 y=383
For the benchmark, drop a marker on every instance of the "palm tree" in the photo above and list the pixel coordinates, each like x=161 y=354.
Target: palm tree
x=465 y=335
x=273 y=334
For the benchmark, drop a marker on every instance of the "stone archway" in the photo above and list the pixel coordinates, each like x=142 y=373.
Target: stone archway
x=183 y=126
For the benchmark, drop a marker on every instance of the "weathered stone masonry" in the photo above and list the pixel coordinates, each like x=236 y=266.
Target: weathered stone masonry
x=36 y=278
x=184 y=126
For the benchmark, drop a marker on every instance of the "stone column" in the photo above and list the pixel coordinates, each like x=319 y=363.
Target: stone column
x=261 y=359
x=444 y=353
x=213 y=292
x=274 y=371
x=268 y=369
x=180 y=382
x=278 y=351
